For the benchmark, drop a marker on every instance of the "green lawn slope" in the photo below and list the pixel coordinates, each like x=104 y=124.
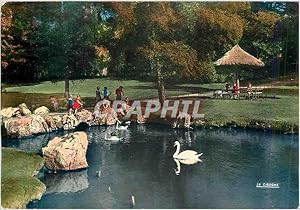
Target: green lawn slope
x=18 y=186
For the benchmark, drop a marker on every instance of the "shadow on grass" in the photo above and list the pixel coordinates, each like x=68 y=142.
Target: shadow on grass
x=190 y=89
x=173 y=88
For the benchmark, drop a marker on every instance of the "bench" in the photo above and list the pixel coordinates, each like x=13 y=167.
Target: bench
x=243 y=92
x=256 y=92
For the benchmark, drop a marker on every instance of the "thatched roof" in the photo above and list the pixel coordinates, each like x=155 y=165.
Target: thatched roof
x=238 y=56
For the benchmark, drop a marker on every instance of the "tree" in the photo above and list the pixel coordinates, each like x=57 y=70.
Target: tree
x=158 y=19
x=259 y=35
x=66 y=44
x=216 y=31
x=15 y=46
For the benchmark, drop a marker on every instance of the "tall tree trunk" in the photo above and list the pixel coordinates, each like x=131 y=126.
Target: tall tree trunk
x=160 y=86
x=67 y=87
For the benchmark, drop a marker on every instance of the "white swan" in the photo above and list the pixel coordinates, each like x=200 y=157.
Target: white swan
x=122 y=127
x=112 y=138
x=188 y=156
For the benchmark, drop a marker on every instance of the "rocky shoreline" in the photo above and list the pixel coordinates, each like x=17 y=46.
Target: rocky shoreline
x=20 y=122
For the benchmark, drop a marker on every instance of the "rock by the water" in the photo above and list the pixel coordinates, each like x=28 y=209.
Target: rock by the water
x=111 y=116
x=199 y=122
x=8 y=112
x=85 y=116
x=104 y=114
x=141 y=119
x=67 y=152
x=41 y=111
x=24 y=109
x=106 y=117
x=183 y=120
x=58 y=121
x=51 y=123
x=38 y=124
x=69 y=121
x=26 y=126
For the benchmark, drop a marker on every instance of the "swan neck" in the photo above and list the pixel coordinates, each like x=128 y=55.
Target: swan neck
x=177 y=150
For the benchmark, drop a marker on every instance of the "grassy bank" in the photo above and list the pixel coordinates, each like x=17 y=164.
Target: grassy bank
x=280 y=114
x=18 y=186
x=133 y=88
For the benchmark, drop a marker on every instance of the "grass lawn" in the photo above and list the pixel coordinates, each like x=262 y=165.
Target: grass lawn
x=134 y=89
x=18 y=186
x=283 y=109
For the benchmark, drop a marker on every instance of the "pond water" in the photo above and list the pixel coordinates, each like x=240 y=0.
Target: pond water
x=233 y=162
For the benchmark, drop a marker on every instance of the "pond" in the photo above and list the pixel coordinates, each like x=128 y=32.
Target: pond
x=233 y=162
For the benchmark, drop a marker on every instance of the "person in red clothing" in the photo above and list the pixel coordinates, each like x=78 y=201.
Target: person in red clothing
x=77 y=103
x=235 y=91
x=119 y=93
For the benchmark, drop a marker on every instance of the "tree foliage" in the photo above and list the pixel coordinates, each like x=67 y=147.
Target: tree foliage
x=55 y=40
x=217 y=31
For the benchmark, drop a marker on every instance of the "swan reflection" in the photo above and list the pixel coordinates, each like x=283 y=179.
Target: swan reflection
x=185 y=162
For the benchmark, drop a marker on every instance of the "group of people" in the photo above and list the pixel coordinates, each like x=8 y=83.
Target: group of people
x=106 y=93
x=74 y=105
x=235 y=90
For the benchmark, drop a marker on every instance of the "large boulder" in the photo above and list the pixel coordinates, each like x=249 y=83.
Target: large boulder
x=69 y=121
x=41 y=111
x=51 y=123
x=24 y=109
x=26 y=126
x=8 y=112
x=67 y=152
x=85 y=116
x=106 y=117
x=58 y=121
x=104 y=114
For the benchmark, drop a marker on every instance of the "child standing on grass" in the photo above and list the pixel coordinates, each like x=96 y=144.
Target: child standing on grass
x=54 y=103
x=69 y=103
x=98 y=94
x=106 y=93
x=77 y=103
x=119 y=93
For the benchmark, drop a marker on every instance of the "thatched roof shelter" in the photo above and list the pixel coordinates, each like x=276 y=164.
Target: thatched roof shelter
x=238 y=56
